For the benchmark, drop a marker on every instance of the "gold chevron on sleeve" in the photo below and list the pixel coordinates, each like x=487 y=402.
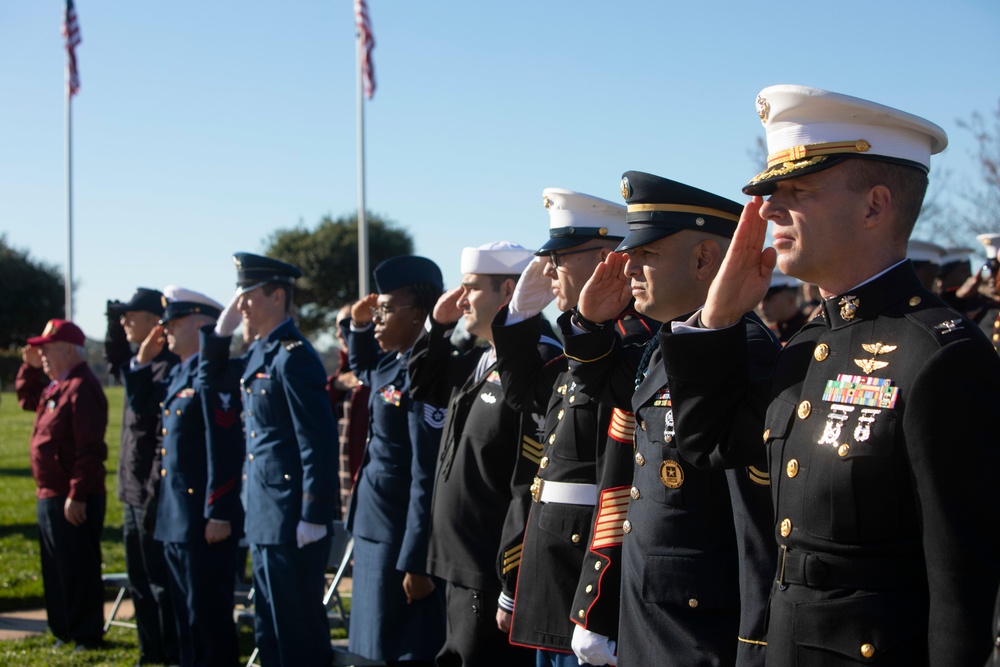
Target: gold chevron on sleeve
x=622 y=426
x=608 y=530
x=512 y=558
x=531 y=450
x=758 y=476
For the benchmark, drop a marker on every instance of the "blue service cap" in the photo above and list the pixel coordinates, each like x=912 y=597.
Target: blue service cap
x=404 y=270
x=145 y=300
x=252 y=271
x=659 y=207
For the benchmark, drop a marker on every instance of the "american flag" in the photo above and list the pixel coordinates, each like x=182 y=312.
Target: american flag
x=71 y=31
x=364 y=24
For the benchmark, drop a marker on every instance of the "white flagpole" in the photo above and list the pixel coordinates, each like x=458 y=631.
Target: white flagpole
x=363 y=272
x=69 y=198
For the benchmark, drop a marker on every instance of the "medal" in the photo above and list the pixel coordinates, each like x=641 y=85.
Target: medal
x=864 y=428
x=835 y=423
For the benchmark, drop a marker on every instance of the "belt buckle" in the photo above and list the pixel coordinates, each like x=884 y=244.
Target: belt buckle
x=536 y=489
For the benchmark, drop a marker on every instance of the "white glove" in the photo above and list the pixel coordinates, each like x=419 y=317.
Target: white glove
x=532 y=293
x=307 y=533
x=229 y=319
x=592 y=648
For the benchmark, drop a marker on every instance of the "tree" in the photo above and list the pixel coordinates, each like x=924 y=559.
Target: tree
x=32 y=294
x=983 y=215
x=328 y=257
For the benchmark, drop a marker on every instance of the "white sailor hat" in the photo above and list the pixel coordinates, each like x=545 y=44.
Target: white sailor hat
x=955 y=255
x=809 y=129
x=924 y=251
x=990 y=242
x=500 y=258
x=575 y=218
x=179 y=302
x=780 y=282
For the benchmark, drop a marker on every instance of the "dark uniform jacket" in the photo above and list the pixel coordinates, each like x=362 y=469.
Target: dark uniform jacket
x=201 y=456
x=884 y=458
x=550 y=540
x=480 y=446
x=138 y=461
x=67 y=442
x=291 y=461
x=696 y=545
x=391 y=501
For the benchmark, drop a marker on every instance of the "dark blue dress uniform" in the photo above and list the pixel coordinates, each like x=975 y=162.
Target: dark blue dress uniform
x=546 y=535
x=201 y=459
x=291 y=475
x=695 y=542
x=476 y=479
x=390 y=511
x=884 y=454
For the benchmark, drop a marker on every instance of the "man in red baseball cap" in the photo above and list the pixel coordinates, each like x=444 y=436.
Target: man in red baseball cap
x=67 y=460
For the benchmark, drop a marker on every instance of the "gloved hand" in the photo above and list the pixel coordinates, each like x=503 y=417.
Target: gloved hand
x=229 y=319
x=532 y=293
x=307 y=533
x=592 y=648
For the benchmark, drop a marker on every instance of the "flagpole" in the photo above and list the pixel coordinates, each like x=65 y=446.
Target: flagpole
x=69 y=198
x=363 y=272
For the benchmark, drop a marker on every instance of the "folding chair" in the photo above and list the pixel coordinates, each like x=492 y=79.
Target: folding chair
x=117 y=580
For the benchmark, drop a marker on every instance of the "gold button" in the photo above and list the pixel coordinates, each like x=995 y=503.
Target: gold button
x=161 y=404
x=287 y=476
x=786 y=527
x=581 y=614
x=572 y=399
x=668 y=438
x=244 y=478
x=792 y=468
x=627 y=527
x=166 y=413
x=642 y=424
x=163 y=472
x=248 y=390
x=590 y=588
x=561 y=414
x=164 y=431
x=575 y=538
x=767 y=434
x=250 y=413
x=263 y=392
x=805 y=407
x=843 y=450
x=178 y=413
x=914 y=301
x=544 y=463
x=693 y=603
x=821 y=352
x=867 y=650
x=163 y=451
x=250 y=456
x=253 y=434
x=552 y=438
x=640 y=460
x=634 y=493
x=190 y=492
x=597 y=565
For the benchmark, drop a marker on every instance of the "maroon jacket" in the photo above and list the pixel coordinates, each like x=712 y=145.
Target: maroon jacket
x=67 y=445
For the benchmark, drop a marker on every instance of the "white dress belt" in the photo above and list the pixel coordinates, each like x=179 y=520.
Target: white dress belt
x=565 y=493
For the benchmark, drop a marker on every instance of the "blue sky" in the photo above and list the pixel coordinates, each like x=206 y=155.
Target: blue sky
x=203 y=127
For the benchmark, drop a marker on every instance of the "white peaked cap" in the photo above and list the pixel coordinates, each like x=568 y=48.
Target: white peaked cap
x=501 y=258
x=924 y=251
x=990 y=242
x=173 y=293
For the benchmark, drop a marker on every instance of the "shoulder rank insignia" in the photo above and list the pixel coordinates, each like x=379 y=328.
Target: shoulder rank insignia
x=849 y=307
x=950 y=326
x=291 y=343
x=875 y=349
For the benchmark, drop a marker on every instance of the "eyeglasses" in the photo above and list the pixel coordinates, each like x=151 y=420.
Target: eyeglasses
x=554 y=256
x=383 y=311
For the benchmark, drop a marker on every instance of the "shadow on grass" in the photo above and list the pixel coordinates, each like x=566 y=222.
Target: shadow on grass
x=26 y=530
x=15 y=472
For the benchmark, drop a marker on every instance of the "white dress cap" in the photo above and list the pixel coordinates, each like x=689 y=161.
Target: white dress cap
x=500 y=258
x=575 y=218
x=173 y=293
x=809 y=129
x=924 y=251
x=990 y=242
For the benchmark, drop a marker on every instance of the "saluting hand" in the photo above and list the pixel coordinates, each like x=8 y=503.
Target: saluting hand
x=745 y=273
x=417 y=587
x=361 y=311
x=607 y=292
x=32 y=356
x=150 y=348
x=447 y=310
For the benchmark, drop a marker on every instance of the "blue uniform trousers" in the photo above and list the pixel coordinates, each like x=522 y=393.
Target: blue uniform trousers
x=201 y=582
x=292 y=629
x=149 y=586
x=71 y=570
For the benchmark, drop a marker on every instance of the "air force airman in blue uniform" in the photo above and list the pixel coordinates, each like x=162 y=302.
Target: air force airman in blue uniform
x=199 y=516
x=291 y=463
